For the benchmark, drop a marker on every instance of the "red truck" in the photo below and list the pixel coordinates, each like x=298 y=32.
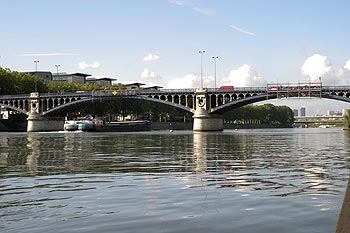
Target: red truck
x=226 y=88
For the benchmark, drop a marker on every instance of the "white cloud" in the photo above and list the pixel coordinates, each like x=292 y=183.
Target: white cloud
x=319 y=65
x=241 y=30
x=182 y=2
x=347 y=65
x=244 y=76
x=190 y=81
x=151 y=57
x=83 y=65
x=147 y=74
x=316 y=66
x=204 y=11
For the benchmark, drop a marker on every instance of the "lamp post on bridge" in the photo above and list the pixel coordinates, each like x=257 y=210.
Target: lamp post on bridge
x=201 y=52
x=215 y=71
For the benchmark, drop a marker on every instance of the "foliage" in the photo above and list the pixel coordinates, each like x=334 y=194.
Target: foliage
x=13 y=82
x=138 y=109
x=264 y=114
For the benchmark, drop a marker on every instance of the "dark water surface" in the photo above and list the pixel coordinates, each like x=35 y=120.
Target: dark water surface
x=274 y=180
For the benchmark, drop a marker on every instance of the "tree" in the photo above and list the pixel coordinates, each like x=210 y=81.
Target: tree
x=266 y=114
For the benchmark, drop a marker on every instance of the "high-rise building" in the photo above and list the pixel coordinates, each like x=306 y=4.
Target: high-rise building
x=302 y=111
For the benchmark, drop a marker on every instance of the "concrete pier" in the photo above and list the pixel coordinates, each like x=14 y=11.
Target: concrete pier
x=41 y=124
x=37 y=123
x=202 y=121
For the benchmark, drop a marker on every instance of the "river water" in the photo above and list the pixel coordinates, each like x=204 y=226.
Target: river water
x=271 y=180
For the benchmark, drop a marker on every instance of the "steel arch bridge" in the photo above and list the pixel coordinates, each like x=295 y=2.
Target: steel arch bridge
x=217 y=101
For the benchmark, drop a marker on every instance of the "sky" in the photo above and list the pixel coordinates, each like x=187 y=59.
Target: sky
x=157 y=42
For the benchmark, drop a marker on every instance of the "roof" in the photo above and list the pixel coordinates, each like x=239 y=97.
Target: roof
x=135 y=84
x=153 y=87
x=96 y=79
x=75 y=74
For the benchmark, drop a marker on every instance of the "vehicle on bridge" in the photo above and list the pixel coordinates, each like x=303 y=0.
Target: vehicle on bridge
x=226 y=88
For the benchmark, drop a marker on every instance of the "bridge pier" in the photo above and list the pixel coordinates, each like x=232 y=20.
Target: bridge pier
x=202 y=120
x=37 y=123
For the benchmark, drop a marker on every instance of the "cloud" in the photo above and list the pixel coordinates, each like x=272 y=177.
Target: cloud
x=315 y=66
x=83 y=65
x=45 y=54
x=151 y=57
x=319 y=65
x=347 y=65
x=147 y=74
x=194 y=5
x=204 y=11
x=182 y=2
x=190 y=81
x=243 y=31
x=244 y=76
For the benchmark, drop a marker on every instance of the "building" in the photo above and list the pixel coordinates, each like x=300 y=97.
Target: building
x=71 y=78
x=134 y=86
x=45 y=75
x=102 y=81
x=296 y=112
x=302 y=111
x=330 y=113
x=153 y=88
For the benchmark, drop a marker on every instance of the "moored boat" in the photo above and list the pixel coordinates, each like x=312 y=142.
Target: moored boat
x=70 y=126
x=124 y=126
x=86 y=125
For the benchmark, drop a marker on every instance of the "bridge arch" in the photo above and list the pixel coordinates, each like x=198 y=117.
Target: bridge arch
x=14 y=108
x=258 y=98
x=57 y=109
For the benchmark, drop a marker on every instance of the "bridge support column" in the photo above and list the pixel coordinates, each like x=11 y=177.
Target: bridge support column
x=37 y=123
x=202 y=120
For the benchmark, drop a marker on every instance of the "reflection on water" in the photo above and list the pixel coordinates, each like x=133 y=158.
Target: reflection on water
x=173 y=182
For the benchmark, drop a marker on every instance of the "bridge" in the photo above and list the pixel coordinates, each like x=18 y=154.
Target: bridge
x=207 y=104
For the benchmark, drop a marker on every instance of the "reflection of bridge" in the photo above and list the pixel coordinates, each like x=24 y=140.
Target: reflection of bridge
x=206 y=104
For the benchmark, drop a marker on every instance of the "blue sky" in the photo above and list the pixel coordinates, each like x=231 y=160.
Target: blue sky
x=157 y=41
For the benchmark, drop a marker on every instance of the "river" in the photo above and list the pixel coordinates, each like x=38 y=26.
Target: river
x=268 y=180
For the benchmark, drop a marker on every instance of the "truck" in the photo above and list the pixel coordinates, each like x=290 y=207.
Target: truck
x=226 y=88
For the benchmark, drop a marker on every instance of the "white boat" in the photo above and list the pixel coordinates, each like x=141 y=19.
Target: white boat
x=86 y=125
x=70 y=126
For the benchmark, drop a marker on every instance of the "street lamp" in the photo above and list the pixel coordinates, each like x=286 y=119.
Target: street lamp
x=201 y=52
x=36 y=65
x=57 y=68
x=215 y=71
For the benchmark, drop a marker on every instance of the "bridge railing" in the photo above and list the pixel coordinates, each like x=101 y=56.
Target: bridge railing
x=19 y=96
x=340 y=87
